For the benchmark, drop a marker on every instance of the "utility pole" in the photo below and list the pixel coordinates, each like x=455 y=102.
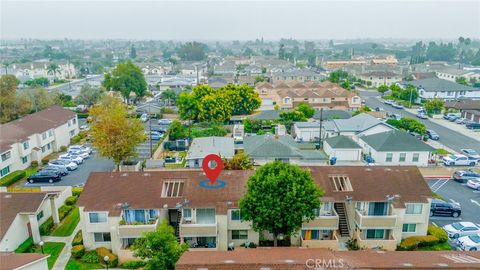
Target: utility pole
x=320 y=132
x=150 y=130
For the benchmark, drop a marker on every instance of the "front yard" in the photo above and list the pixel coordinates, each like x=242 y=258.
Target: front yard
x=52 y=248
x=67 y=226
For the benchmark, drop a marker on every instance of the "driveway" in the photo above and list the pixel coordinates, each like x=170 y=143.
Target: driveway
x=448 y=137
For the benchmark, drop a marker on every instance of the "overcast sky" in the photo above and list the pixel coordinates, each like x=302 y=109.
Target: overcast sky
x=229 y=20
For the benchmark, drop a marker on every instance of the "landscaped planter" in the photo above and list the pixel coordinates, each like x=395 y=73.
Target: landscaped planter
x=130 y=166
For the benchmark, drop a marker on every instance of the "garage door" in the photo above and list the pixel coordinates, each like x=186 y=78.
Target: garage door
x=267 y=104
x=347 y=154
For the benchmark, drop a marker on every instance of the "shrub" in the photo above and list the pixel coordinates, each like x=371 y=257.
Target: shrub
x=438 y=232
x=46 y=227
x=63 y=211
x=252 y=245
x=12 y=178
x=76 y=191
x=78 y=251
x=413 y=242
x=102 y=252
x=45 y=160
x=90 y=257
x=352 y=244
x=133 y=264
x=63 y=148
x=34 y=164
x=26 y=246
x=81 y=115
x=71 y=200
x=78 y=239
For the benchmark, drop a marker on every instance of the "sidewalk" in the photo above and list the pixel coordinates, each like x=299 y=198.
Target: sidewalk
x=66 y=252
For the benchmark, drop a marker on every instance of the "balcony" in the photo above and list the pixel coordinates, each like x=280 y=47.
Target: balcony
x=365 y=221
x=134 y=230
x=331 y=242
x=389 y=243
x=194 y=229
x=324 y=221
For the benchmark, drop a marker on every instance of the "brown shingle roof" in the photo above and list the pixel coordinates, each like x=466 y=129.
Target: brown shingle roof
x=305 y=258
x=11 y=261
x=19 y=130
x=105 y=191
x=13 y=203
x=463 y=104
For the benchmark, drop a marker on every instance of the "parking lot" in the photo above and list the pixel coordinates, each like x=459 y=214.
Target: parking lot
x=143 y=149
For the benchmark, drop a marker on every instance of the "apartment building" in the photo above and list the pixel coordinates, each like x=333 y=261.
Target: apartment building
x=359 y=202
x=34 y=137
x=377 y=78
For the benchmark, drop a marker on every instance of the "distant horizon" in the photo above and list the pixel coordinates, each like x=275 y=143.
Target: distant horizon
x=239 y=20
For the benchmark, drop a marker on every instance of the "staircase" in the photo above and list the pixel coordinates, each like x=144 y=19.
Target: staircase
x=342 y=219
x=177 y=225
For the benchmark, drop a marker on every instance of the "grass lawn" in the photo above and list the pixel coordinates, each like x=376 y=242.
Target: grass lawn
x=67 y=226
x=437 y=247
x=74 y=264
x=53 y=249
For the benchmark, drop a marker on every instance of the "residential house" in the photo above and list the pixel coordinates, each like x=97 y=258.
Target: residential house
x=177 y=82
x=442 y=89
x=36 y=69
x=451 y=73
x=222 y=146
x=469 y=109
x=352 y=207
x=23 y=261
x=343 y=148
x=155 y=68
x=267 y=148
x=34 y=137
x=339 y=64
x=377 y=78
x=21 y=214
x=325 y=95
x=297 y=75
x=396 y=147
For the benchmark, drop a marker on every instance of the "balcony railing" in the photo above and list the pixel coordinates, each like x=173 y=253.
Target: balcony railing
x=327 y=220
x=328 y=242
x=134 y=229
x=389 y=243
x=367 y=221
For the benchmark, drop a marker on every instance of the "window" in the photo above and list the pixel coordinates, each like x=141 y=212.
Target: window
x=50 y=133
x=409 y=228
x=49 y=146
x=375 y=234
x=313 y=234
x=24 y=159
x=235 y=214
x=172 y=189
x=402 y=157
x=5 y=171
x=69 y=123
x=97 y=217
x=415 y=157
x=6 y=155
x=72 y=133
x=187 y=213
x=43 y=149
x=74 y=121
x=205 y=216
x=389 y=157
x=341 y=182
x=102 y=237
x=44 y=135
x=25 y=145
x=414 y=209
x=40 y=215
x=239 y=234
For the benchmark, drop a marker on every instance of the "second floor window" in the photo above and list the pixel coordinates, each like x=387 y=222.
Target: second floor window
x=205 y=216
x=26 y=145
x=236 y=214
x=97 y=217
x=414 y=208
x=6 y=155
x=187 y=213
x=50 y=133
x=44 y=135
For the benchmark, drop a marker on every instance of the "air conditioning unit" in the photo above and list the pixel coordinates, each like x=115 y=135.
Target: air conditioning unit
x=187 y=219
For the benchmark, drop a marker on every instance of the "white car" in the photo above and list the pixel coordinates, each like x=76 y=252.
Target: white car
x=79 y=148
x=458 y=160
x=460 y=229
x=64 y=164
x=165 y=121
x=81 y=153
x=144 y=117
x=78 y=160
x=470 y=153
x=474 y=183
x=469 y=243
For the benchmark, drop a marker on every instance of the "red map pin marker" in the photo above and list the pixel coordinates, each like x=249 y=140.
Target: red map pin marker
x=212 y=173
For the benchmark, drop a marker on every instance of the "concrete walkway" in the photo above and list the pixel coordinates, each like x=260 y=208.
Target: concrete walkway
x=64 y=256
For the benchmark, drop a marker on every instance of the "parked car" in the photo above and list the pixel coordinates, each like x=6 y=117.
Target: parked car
x=81 y=153
x=432 y=135
x=63 y=171
x=378 y=109
x=397 y=106
x=388 y=102
x=395 y=116
x=442 y=208
x=464 y=176
x=63 y=163
x=470 y=153
x=452 y=118
x=155 y=135
x=458 y=160
x=421 y=110
x=45 y=176
x=474 y=183
x=78 y=160
x=469 y=243
x=165 y=121
x=80 y=147
x=460 y=120
x=448 y=115
x=144 y=117
x=472 y=125
x=460 y=229
x=422 y=116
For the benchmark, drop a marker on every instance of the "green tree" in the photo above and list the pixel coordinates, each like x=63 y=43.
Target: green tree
x=53 y=69
x=289 y=117
x=259 y=79
x=8 y=90
x=306 y=110
x=126 y=78
x=114 y=134
x=346 y=84
x=337 y=76
x=216 y=107
x=176 y=131
x=382 y=89
x=187 y=106
x=410 y=93
x=89 y=95
x=461 y=80
x=159 y=248
x=240 y=161
x=279 y=198
x=243 y=98
x=133 y=52
x=408 y=124
x=67 y=100
x=434 y=106
x=192 y=51
x=168 y=96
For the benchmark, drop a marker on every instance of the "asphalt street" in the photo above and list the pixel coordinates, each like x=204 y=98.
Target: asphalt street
x=448 y=137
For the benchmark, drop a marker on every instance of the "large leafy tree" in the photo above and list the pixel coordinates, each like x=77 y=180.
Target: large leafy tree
x=126 y=78
x=169 y=96
x=240 y=161
x=114 y=134
x=306 y=110
x=279 y=198
x=176 y=131
x=192 y=51
x=159 y=248
x=89 y=95
x=382 y=89
x=217 y=107
x=8 y=90
x=244 y=98
x=434 y=106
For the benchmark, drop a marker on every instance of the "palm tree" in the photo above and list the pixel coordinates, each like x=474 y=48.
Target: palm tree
x=53 y=69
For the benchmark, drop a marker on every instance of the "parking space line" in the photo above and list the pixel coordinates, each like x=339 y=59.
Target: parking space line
x=437 y=188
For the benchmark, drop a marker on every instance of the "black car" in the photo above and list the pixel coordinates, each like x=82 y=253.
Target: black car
x=432 y=135
x=464 y=176
x=45 y=176
x=441 y=208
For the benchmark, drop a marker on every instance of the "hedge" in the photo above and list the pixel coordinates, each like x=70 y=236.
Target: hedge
x=76 y=191
x=133 y=264
x=12 y=178
x=438 y=232
x=63 y=211
x=78 y=251
x=47 y=227
x=45 y=160
x=78 y=239
x=71 y=200
x=26 y=246
x=82 y=115
x=102 y=252
x=413 y=242
x=90 y=257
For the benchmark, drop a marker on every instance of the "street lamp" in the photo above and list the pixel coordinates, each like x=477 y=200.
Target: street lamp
x=41 y=243
x=106 y=258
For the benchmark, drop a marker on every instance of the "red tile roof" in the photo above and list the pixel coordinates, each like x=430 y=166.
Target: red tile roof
x=11 y=261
